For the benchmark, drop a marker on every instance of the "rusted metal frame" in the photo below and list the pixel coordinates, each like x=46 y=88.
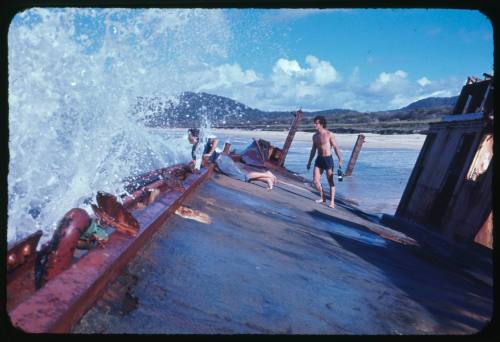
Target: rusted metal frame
x=485 y=98
x=151 y=176
x=156 y=179
x=467 y=104
x=354 y=155
x=291 y=134
x=418 y=167
x=263 y=157
x=60 y=304
x=137 y=196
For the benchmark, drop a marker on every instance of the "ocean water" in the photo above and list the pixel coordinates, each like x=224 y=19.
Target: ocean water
x=75 y=76
x=378 y=179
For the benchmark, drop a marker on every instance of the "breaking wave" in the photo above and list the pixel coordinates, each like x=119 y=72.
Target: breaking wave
x=74 y=75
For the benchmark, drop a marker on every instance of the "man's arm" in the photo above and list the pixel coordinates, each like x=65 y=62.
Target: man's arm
x=312 y=154
x=336 y=149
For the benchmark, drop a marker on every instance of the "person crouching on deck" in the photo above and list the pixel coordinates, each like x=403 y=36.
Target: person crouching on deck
x=209 y=153
x=323 y=142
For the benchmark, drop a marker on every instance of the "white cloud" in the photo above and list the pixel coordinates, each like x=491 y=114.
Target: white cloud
x=423 y=81
x=316 y=85
x=290 y=68
x=323 y=71
x=389 y=82
x=223 y=76
x=319 y=73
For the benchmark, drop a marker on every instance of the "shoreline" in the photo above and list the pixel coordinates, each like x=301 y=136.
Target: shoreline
x=345 y=140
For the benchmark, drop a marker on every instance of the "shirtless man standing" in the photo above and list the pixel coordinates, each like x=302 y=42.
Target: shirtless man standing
x=323 y=141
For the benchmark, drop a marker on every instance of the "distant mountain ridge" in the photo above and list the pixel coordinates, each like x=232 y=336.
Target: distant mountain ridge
x=432 y=102
x=191 y=108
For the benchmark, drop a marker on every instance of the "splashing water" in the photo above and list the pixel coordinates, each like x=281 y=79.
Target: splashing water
x=74 y=75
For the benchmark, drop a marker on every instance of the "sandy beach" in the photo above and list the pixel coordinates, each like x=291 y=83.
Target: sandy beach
x=346 y=141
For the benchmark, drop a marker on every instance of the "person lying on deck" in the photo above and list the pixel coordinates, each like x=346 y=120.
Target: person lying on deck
x=225 y=165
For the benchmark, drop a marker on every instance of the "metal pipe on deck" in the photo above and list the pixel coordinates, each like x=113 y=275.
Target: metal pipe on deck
x=354 y=154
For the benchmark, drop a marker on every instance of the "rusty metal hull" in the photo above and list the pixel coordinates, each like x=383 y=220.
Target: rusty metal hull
x=64 y=299
x=276 y=262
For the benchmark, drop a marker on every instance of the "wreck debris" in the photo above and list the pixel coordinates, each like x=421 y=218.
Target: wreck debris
x=260 y=153
x=354 y=155
x=291 y=134
x=111 y=212
x=58 y=305
x=450 y=188
x=94 y=235
x=193 y=214
x=58 y=254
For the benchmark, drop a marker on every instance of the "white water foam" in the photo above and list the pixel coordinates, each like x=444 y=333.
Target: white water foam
x=74 y=75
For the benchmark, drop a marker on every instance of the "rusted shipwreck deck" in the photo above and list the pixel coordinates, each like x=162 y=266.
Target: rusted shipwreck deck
x=276 y=262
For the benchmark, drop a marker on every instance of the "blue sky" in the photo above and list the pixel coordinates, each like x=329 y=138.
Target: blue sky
x=434 y=49
x=282 y=59
x=436 y=43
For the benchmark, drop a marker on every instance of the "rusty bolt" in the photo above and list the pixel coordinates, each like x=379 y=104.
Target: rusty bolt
x=11 y=260
x=26 y=250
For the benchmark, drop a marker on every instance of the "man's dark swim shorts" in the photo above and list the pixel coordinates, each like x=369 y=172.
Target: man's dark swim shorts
x=324 y=163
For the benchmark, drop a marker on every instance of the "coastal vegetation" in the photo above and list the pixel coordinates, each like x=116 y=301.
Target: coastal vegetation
x=227 y=113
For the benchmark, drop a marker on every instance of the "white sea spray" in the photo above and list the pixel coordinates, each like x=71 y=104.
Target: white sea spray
x=74 y=75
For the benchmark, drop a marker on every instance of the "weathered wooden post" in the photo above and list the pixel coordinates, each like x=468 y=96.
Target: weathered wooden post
x=288 y=142
x=354 y=154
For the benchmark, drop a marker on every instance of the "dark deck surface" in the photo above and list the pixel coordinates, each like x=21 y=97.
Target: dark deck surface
x=276 y=262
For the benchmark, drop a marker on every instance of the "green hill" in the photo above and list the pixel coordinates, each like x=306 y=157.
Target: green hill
x=191 y=109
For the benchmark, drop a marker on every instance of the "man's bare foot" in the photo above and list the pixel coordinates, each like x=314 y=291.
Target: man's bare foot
x=270 y=184
x=331 y=205
x=270 y=174
x=320 y=200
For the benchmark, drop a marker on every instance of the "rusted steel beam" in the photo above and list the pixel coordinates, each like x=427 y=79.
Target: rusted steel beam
x=291 y=134
x=63 y=300
x=354 y=154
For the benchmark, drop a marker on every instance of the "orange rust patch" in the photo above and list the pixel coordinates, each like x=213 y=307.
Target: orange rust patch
x=193 y=214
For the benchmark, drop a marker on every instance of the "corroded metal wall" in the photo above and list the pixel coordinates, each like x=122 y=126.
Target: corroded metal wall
x=450 y=188
x=438 y=195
